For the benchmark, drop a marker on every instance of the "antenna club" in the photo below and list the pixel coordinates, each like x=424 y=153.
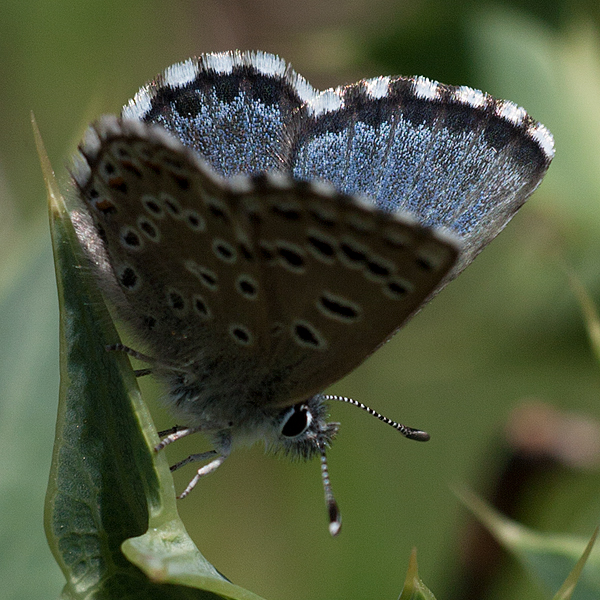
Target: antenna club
x=335 y=519
x=419 y=436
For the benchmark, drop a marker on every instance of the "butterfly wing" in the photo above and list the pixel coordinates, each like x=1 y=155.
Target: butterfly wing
x=279 y=287
x=453 y=157
x=340 y=277
x=273 y=286
x=235 y=109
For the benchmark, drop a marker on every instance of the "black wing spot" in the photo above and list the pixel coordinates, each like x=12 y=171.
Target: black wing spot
x=336 y=307
x=128 y=278
x=176 y=301
x=148 y=229
x=132 y=239
x=321 y=246
x=352 y=254
x=378 y=269
x=289 y=214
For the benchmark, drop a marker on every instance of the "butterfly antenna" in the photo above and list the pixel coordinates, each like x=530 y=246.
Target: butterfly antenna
x=407 y=432
x=335 y=517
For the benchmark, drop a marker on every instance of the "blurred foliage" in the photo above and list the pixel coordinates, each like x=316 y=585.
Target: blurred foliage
x=508 y=329
x=562 y=563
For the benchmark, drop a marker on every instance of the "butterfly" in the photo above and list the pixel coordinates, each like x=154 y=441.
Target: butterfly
x=261 y=239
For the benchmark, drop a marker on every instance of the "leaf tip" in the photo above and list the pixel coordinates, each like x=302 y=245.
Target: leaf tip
x=55 y=199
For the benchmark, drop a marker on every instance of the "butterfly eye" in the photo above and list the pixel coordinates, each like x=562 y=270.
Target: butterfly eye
x=296 y=421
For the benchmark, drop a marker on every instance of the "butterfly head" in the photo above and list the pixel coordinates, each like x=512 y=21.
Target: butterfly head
x=303 y=430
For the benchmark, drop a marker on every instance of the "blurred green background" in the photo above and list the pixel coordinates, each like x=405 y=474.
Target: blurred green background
x=509 y=329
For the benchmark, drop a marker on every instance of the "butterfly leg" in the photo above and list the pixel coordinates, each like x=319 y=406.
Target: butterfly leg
x=213 y=465
x=193 y=458
x=174 y=434
x=131 y=352
x=174 y=429
x=142 y=372
x=143 y=358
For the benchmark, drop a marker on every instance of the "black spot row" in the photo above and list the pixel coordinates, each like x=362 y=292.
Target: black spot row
x=246 y=252
x=193 y=220
x=172 y=207
x=240 y=334
x=378 y=269
x=353 y=254
x=424 y=264
x=201 y=306
x=153 y=207
x=208 y=279
x=397 y=288
x=224 y=252
x=247 y=288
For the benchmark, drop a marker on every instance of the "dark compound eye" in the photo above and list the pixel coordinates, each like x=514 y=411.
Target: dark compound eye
x=296 y=421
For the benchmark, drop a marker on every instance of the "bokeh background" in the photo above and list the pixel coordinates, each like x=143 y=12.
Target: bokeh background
x=509 y=331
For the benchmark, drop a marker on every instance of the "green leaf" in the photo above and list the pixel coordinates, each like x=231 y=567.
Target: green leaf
x=414 y=588
x=110 y=517
x=548 y=557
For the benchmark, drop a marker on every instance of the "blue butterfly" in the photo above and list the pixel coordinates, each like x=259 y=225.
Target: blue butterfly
x=261 y=238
